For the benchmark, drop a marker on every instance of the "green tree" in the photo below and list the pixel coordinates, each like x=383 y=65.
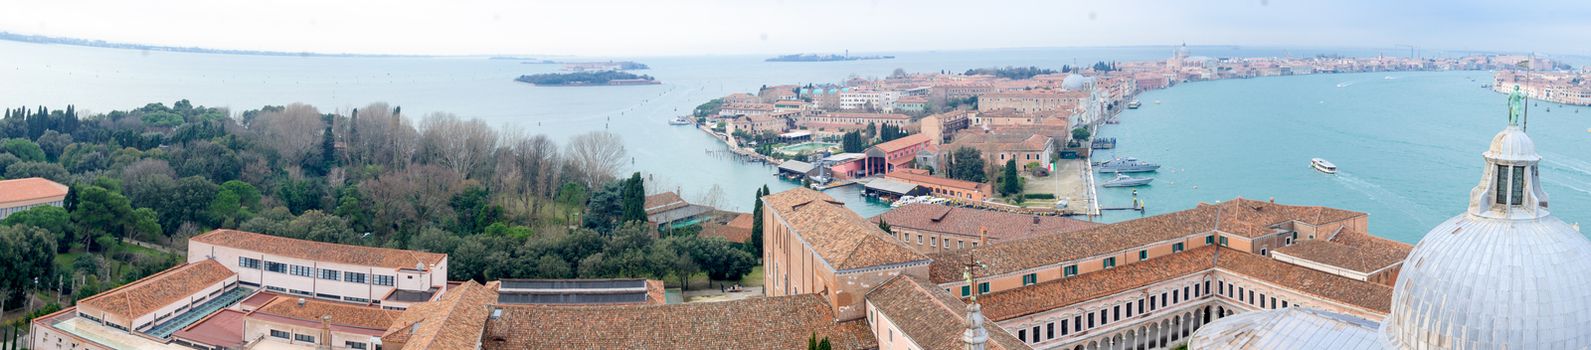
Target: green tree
x=26 y=252
x=966 y=163
x=101 y=212
x=225 y=209
x=1010 y=184
x=755 y=243
x=145 y=224
x=248 y=196
x=1080 y=134
x=50 y=218
x=851 y=142
x=24 y=149
x=634 y=199
x=51 y=171
x=884 y=225
x=328 y=148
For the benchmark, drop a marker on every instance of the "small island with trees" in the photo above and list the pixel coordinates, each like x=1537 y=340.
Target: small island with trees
x=812 y=57
x=591 y=78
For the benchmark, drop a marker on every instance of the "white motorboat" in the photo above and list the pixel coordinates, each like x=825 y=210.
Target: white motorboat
x=1323 y=166
x=1122 y=180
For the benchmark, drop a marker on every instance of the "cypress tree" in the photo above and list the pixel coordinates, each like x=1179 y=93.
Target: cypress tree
x=1010 y=185
x=328 y=147
x=633 y=199
x=755 y=242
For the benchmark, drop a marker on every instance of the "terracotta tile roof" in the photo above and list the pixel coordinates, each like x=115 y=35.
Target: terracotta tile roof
x=759 y=323
x=1363 y=294
x=915 y=177
x=151 y=293
x=742 y=220
x=967 y=221
x=842 y=238
x=665 y=201
x=222 y=328
x=868 y=115
x=319 y=251
x=1055 y=248
x=1240 y=217
x=1013 y=303
x=903 y=142
x=728 y=233
x=26 y=189
x=453 y=322
x=931 y=317
x=1252 y=218
x=1001 y=140
x=344 y=314
x=1353 y=251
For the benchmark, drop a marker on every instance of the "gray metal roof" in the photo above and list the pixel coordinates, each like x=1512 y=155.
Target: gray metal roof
x=891 y=186
x=796 y=166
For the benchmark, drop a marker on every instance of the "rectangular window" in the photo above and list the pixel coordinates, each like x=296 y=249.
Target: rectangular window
x=1064 y=329
x=1273 y=302
x=1070 y=270
x=1143 y=255
x=382 y=280
x=354 y=277
x=1208 y=240
x=276 y=289
x=1129 y=309
x=1141 y=308
x=250 y=263
x=1206 y=287
x=304 y=271
x=279 y=334
x=1185 y=294
x=1103 y=319
x=1163 y=298
x=1220 y=287
x=1284 y=304
x=1049 y=330
x=355 y=345
x=1022 y=334
x=1518 y=187
x=1152 y=304
x=1223 y=241
x=304 y=338
x=1115 y=312
x=276 y=267
x=983 y=288
x=1030 y=279
x=1077 y=323
x=1176 y=296
x=1251 y=297
x=1176 y=247
x=1035 y=334
x=330 y=275
x=1110 y=262
x=1502 y=184
x=966 y=291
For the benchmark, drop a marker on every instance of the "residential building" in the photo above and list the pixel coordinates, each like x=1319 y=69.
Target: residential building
x=895 y=154
x=932 y=228
x=390 y=278
x=20 y=194
x=841 y=122
x=959 y=190
x=869 y=100
x=997 y=147
x=940 y=127
x=911 y=104
x=1032 y=101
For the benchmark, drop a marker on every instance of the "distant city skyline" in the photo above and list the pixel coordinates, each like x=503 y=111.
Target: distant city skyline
x=724 y=27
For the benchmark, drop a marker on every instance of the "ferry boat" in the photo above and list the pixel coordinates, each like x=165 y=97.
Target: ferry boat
x=1134 y=104
x=1126 y=165
x=679 y=121
x=1323 y=166
x=1122 y=180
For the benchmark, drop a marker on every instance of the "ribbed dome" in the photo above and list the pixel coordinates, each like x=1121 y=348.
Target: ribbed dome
x=1506 y=274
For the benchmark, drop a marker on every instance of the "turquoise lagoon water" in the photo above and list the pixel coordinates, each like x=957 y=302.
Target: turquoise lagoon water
x=1408 y=147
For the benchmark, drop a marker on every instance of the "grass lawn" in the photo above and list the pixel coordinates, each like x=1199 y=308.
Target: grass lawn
x=753 y=279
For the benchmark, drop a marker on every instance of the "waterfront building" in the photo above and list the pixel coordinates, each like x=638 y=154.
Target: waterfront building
x=840 y=122
x=777 y=93
x=959 y=190
x=932 y=228
x=761 y=123
x=1503 y=274
x=845 y=165
x=389 y=278
x=730 y=110
x=20 y=194
x=869 y=100
x=894 y=154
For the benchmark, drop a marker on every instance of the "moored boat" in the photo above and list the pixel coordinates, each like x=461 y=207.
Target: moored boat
x=1122 y=180
x=1323 y=166
x=679 y=121
x=1126 y=165
x=1134 y=104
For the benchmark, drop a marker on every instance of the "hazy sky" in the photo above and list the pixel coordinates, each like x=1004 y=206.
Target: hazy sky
x=665 y=27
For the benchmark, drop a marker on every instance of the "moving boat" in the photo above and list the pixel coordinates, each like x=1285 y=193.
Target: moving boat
x=679 y=121
x=1126 y=165
x=1134 y=104
x=1323 y=166
x=1122 y=180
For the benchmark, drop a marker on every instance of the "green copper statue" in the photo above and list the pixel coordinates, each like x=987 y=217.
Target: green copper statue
x=1516 y=106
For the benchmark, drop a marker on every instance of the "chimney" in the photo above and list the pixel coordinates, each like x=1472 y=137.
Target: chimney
x=1035 y=219
x=300 y=302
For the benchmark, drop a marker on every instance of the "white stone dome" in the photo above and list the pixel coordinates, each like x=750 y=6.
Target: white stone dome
x=1505 y=274
x=1075 y=81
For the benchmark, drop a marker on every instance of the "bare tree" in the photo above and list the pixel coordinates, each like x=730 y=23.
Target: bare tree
x=382 y=137
x=293 y=132
x=598 y=155
x=527 y=169
x=713 y=198
x=462 y=145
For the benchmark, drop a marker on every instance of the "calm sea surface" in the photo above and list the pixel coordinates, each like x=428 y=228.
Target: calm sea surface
x=1409 y=147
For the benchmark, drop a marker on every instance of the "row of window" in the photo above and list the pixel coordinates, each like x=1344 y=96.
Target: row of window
x=325 y=274
x=1113 y=314
x=1249 y=296
x=294 y=336
x=1071 y=270
x=933 y=241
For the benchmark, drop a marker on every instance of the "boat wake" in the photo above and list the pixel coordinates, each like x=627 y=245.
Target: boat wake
x=1376 y=193
x=1567 y=165
x=1567 y=185
x=1345 y=84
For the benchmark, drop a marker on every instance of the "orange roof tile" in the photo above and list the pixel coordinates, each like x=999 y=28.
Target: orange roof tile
x=916 y=177
x=903 y=142
x=969 y=222
x=1371 y=296
x=931 y=317
x=1050 y=295
x=319 y=251
x=27 y=189
x=159 y=290
x=344 y=314
x=783 y=322
x=843 y=239
x=455 y=321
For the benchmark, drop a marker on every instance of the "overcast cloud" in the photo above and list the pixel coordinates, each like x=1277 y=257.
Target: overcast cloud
x=630 y=28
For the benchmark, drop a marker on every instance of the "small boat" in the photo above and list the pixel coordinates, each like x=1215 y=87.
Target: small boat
x=1126 y=165
x=1122 y=180
x=679 y=121
x=1323 y=166
x=1134 y=104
